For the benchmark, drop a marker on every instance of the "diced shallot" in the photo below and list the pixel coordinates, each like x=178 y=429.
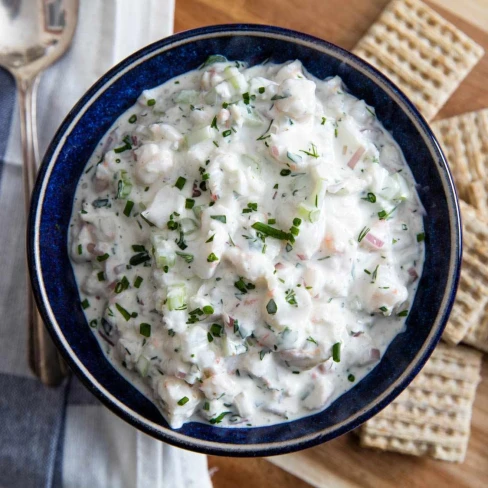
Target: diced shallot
x=375 y=241
x=356 y=157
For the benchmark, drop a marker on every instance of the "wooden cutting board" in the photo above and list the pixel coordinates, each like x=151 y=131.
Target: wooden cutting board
x=342 y=463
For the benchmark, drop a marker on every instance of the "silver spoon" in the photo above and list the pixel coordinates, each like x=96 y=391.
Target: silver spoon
x=33 y=35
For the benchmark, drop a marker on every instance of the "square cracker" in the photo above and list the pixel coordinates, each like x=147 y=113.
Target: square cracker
x=469 y=310
x=422 y=53
x=464 y=140
x=433 y=415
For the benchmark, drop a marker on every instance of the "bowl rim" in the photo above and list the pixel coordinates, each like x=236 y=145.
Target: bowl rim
x=173 y=436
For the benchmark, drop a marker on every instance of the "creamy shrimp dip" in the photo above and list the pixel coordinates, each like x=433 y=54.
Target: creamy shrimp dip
x=247 y=243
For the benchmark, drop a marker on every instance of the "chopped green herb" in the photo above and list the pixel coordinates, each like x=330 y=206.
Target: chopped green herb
x=139 y=258
x=151 y=102
x=363 y=233
x=271 y=307
x=183 y=401
x=138 y=281
x=285 y=172
x=217 y=420
x=85 y=304
x=132 y=119
x=370 y=197
x=129 y=205
x=216 y=330
x=171 y=332
x=384 y=309
x=93 y=323
x=180 y=182
x=125 y=147
x=297 y=222
x=212 y=257
x=122 y=285
x=270 y=231
x=312 y=152
x=403 y=313
x=102 y=258
x=189 y=203
x=227 y=133
x=210 y=239
x=351 y=378
x=336 y=352
x=311 y=339
x=421 y=237
x=80 y=249
x=245 y=98
x=323 y=121
x=375 y=274
x=145 y=329
x=123 y=311
x=261 y=89
x=101 y=276
x=209 y=337
x=264 y=136
x=187 y=257
x=220 y=218
x=213 y=125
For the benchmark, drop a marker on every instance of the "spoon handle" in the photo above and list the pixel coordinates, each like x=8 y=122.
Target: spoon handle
x=44 y=359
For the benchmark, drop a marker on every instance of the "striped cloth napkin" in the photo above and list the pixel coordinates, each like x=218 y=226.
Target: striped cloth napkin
x=63 y=437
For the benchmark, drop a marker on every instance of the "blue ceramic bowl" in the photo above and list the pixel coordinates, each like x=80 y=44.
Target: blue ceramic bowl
x=54 y=282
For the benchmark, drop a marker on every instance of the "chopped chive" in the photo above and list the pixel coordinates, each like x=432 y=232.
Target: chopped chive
x=421 y=237
x=132 y=119
x=102 y=258
x=209 y=337
x=123 y=311
x=183 y=401
x=261 y=89
x=85 y=304
x=212 y=258
x=351 y=378
x=180 y=182
x=271 y=221
x=139 y=258
x=403 y=313
x=227 y=133
x=216 y=330
x=138 y=281
x=186 y=256
x=336 y=352
x=80 y=249
x=297 y=222
x=245 y=98
x=208 y=310
x=210 y=239
x=270 y=231
x=189 y=203
x=93 y=323
x=138 y=248
x=240 y=285
x=122 y=285
x=213 y=125
x=323 y=121
x=370 y=197
x=220 y=218
x=285 y=172
x=151 y=102
x=128 y=208
x=271 y=307
x=145 y=329
x=311 y=339
x=294 y=231
x=219 y=419
x=313 y=151
x=101 y=276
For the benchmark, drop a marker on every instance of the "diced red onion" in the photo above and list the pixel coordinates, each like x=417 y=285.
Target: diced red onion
x=375 y=241
x=92 y=249
x=413 y=273
x=375 y=354
x=356 y=157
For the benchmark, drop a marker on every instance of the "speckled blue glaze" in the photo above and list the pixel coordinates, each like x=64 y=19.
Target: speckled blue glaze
x=53 y=279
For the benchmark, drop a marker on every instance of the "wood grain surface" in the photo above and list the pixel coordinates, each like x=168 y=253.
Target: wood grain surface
x=341 y=463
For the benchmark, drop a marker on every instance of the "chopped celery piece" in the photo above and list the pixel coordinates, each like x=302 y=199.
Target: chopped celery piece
x=200 y=135
x=197 y=210
x=310 y=214
x=176 y=297
x=214 y=58
x=188 y=226
x=163 y=252
x=124 y=186
x=142 y=366
x=187 y=97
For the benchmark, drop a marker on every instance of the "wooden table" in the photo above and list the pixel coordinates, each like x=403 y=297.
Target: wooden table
x=341 y=463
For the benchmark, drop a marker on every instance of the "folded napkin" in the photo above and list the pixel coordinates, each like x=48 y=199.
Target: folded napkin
x=63 y=437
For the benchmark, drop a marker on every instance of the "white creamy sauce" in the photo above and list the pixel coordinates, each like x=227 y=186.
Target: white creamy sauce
x=247 y=243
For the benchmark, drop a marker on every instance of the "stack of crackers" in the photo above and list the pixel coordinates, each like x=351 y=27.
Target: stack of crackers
x=427 y=57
